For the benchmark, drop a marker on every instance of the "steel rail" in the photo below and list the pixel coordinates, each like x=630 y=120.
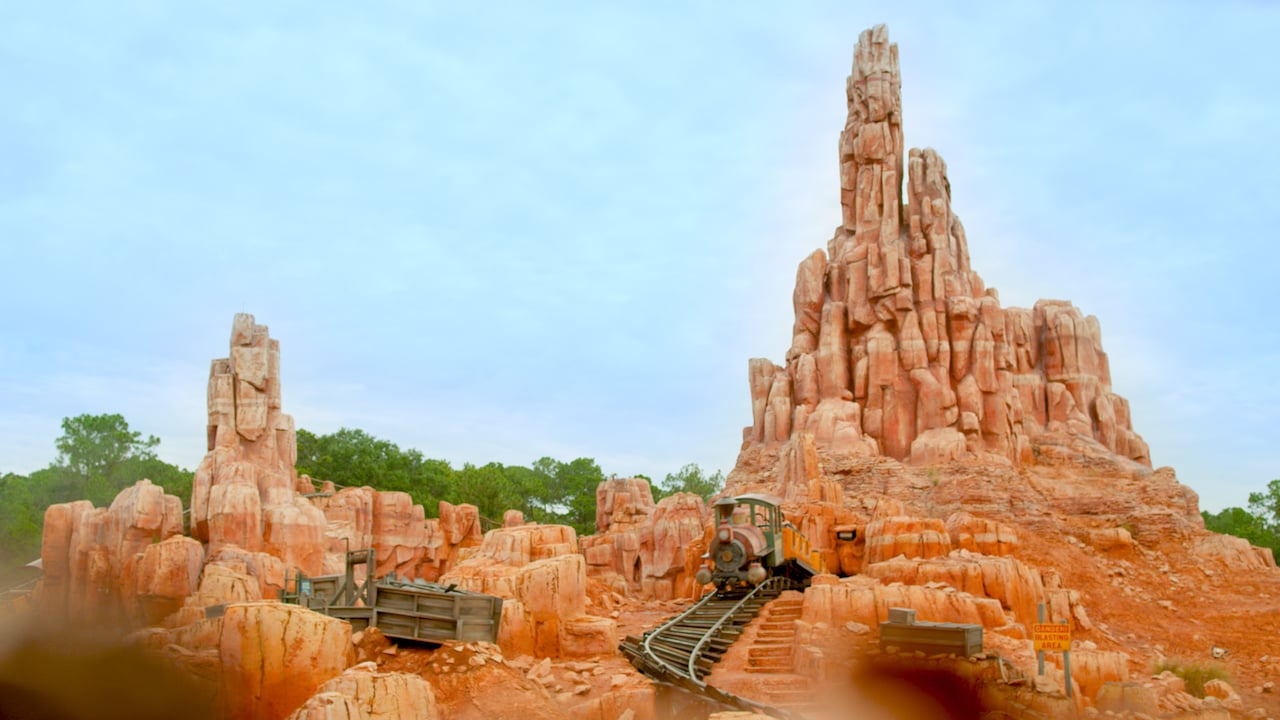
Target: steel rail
x=648 y=649
x=694 y=656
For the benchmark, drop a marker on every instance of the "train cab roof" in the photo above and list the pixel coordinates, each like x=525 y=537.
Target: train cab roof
x=764 y=498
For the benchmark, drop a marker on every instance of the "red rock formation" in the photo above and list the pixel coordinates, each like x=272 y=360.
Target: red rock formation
x=650 y=551
x=979 y=535
x=244 y=492
x=898 y=348
x=1019 y=588
x=545 y=609
x=865 y=601
x=363 y=693
x=908 y=536
x=273 y=657
x=167 y=573
x=91 y=555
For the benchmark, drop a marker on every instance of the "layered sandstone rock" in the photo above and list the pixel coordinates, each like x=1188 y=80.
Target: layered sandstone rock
x=864 y=601
x=243 y=492
x=898 y=348
x=646 y=550
x=980 y=535
x=363 y=693
x=273 y=657
x=1018 y=588
x=910 y=537
x=167 y=573
x=91 y=555
x=544 y=613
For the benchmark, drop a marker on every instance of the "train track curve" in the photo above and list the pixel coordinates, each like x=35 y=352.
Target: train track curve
x=683 y=650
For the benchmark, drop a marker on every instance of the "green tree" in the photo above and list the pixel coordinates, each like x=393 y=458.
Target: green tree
x=98 y=455
x=1260 y=524
x=565 y=493
x=94 y=445
x=492 y=488
x=355 y=458
x=20 y=523
x=692 y=479
x=1266 y=505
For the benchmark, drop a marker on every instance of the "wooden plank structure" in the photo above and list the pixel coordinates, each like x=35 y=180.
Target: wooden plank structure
x=904 y=632
x=402 y=609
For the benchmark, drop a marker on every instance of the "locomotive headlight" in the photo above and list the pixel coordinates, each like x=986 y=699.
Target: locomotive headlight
x=723 y=535
x=755 y=574
x=703 y=576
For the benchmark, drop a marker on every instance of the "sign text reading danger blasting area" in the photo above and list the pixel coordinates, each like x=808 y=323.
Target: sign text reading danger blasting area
x=1051 y=636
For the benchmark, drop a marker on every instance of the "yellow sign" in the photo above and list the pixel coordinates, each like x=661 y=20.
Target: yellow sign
x=1051 y=636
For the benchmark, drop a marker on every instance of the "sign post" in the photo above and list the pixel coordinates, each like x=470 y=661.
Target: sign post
x=1054 y=637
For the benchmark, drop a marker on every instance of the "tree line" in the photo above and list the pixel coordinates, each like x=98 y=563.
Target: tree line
x=99 y=455
x=1260 y=524
x=546 y=491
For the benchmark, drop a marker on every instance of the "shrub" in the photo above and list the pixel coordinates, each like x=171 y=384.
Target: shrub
x=1195 y=675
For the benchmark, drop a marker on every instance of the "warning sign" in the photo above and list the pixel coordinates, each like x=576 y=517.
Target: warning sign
x=1051 y=636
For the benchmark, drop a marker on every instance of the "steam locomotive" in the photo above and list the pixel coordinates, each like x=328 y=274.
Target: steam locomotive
x=753 y=541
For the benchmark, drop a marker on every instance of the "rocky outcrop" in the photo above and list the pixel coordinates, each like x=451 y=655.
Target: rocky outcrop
x=909 y=537
x=1018 y=588
x=363 y=693
x=167 y=573
x=244 y=490
x=545 y=609
x=91 y=555
x=645 y=550
x=898 y=348
x=864 y=601
x=274 y=656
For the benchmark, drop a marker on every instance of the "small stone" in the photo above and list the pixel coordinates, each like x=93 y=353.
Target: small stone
x=1268 y=686
x=392 y=651
x=476 y=661
x=617 y=681
x=581 y=689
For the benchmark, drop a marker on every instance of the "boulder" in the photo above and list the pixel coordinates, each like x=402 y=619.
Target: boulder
x=274 y=656
x=373 y=695
x=167 y=573
x=1120 y=697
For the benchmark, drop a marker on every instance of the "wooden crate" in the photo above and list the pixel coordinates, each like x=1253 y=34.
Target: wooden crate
x=932 y=638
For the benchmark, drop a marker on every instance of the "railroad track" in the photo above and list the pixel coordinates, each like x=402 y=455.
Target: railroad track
x=683 y=650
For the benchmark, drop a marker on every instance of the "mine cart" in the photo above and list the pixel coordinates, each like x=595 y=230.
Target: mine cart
x=401 y=609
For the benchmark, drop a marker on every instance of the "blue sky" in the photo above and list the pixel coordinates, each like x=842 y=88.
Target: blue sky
x=564 y=231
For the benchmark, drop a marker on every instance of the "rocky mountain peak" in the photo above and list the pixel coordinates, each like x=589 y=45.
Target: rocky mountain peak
x=899 y=349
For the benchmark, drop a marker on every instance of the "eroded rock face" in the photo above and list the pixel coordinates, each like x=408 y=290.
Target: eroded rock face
x=898 y=348
x=642 y=549
x=544 y=613
x=865 y=601
x=364 y=693
x=91 y=555
x=244 y=490
x=274 y=656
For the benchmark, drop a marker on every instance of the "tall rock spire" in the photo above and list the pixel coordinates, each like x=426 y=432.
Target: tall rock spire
x=898 y=348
